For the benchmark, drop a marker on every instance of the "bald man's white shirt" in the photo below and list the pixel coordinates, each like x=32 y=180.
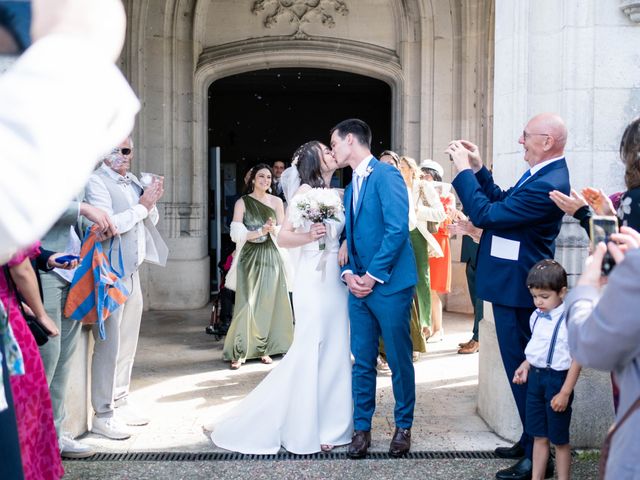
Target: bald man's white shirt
x=62 y=107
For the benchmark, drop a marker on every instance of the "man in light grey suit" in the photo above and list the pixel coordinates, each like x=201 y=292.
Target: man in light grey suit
x=57 y=352
x=132 y=209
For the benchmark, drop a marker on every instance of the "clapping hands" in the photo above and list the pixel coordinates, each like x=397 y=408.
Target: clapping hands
x=268 y=227
x=568 y=205
x=153 y=193
x=599 y=201
x=464 y=155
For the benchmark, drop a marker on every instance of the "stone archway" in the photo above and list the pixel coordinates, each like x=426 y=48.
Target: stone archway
x=220 y=62
x=433 y=56
x=248 y=56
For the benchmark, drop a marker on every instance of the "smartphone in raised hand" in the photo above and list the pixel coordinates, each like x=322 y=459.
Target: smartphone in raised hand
x=601 y=227
x=67 y=259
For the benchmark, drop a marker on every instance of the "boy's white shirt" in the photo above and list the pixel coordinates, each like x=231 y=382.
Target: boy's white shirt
x=538 y=347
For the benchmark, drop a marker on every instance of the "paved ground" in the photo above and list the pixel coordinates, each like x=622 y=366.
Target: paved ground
x=302 y=469
x=182 y=384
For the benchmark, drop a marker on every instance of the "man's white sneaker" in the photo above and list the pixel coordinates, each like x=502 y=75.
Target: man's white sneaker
x=110 y=428
x=70 y=448
x=128 y=415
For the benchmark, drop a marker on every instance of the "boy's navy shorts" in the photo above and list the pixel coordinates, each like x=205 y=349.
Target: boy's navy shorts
x=541 y=420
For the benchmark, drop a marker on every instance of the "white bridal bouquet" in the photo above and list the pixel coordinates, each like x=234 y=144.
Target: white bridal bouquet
x=316 y=206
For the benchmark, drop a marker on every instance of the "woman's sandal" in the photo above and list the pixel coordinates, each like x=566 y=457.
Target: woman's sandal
x=326 y=447
x=426 y=333
x=266 y=360
x=236 y=365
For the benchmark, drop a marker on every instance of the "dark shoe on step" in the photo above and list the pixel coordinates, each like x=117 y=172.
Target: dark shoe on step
x=515 y=452
x=360 y=443
x=519 y=471
x=400 y=443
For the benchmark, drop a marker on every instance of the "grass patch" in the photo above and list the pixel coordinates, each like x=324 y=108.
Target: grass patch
x=589 y=455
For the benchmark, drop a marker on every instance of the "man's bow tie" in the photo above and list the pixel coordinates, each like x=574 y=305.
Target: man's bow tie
x=542 y=314
x=124 y=181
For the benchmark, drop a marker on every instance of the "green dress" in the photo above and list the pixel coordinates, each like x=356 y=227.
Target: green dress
x=262 y=322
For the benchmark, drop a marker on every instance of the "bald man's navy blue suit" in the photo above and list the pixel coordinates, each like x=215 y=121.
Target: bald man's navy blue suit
x=520 y=224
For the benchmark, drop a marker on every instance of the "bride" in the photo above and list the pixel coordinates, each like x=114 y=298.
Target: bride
x=304 y=404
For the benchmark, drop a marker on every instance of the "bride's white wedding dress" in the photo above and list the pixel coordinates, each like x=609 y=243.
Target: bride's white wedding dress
x=306 y=400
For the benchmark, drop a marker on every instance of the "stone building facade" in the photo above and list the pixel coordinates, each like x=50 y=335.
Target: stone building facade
x=475 y=69
x=428 y=52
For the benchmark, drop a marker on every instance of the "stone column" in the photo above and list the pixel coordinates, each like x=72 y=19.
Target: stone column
x=579 y=59
x=160 y=63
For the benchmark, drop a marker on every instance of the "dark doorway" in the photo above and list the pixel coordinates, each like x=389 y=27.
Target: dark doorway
x=263 y=116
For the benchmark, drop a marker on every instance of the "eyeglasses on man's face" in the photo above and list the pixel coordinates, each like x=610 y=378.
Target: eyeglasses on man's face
x=526 y=134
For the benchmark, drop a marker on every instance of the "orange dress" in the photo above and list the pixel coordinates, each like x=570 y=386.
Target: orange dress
x=440 y=268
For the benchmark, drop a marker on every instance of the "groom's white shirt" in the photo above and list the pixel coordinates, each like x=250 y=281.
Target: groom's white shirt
x=359 y=174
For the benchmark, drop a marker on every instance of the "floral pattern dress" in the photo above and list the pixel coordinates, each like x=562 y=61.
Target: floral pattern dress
x=34 y=415
x=629 y=209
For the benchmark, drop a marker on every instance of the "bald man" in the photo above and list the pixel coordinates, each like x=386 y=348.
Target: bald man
x=520 y=226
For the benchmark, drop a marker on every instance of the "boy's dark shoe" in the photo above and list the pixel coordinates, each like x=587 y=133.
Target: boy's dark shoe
x=522 y=470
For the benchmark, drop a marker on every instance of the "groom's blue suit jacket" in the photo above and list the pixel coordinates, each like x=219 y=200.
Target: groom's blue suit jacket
x=523 y=219
x=378 y=231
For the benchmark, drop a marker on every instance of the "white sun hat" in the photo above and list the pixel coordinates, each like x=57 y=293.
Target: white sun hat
x=433 y=165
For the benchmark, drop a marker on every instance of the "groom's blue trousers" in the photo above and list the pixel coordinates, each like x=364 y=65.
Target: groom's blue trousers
x=370 y=317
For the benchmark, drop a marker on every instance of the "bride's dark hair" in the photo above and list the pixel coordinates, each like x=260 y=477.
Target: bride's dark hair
x=309 y=158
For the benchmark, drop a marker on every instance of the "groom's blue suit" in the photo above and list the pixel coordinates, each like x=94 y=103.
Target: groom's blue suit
x=378 y=243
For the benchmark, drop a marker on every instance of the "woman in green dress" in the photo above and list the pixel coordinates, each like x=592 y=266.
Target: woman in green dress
x=262 y=323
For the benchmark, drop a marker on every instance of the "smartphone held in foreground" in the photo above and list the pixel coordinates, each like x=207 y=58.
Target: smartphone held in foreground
x=601 y=228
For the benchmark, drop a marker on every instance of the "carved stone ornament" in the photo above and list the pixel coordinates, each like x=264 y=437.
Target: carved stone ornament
x=631 y=9
x=300 y=12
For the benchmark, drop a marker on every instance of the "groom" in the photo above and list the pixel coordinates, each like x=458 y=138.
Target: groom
x=381 y=275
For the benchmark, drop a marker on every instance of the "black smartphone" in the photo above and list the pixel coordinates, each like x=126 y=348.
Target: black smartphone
x=600 y=229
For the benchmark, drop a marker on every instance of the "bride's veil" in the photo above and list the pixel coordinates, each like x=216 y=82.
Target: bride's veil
x=290 y=182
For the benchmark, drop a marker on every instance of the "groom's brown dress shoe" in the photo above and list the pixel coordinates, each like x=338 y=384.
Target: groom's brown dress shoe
x=400 y=443
x=360 y=442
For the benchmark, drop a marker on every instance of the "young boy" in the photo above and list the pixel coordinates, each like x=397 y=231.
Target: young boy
x=551 y=373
